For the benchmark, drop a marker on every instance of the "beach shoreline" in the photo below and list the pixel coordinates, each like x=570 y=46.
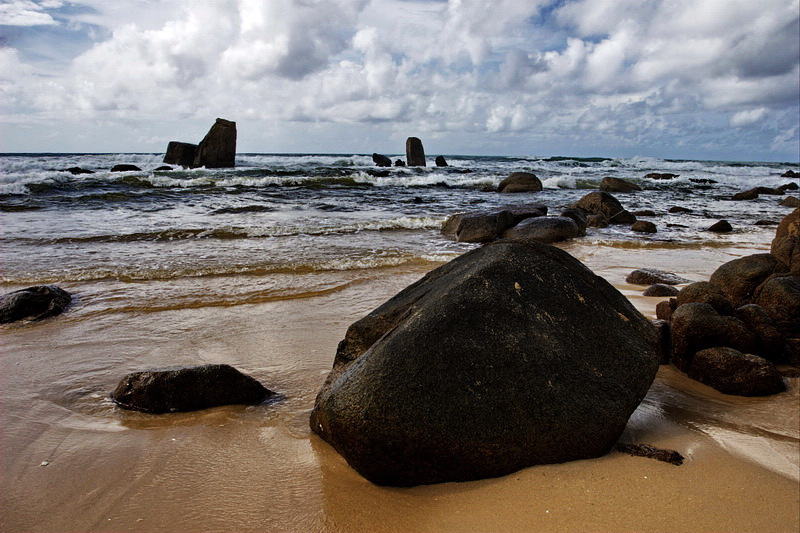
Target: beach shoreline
x=73 y=461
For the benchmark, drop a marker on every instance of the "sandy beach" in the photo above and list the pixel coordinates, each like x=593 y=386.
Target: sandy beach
x=72 y=461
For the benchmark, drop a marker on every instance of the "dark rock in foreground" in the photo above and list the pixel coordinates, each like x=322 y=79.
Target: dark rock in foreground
x=415 y=153
x=733 y=372
x=520 y=182
x=651 y=452
x=218 y=147
x=33 y=303
x=125 y=168
x=511 y=355
x=188 y=389
x=179 y=153
x=651 y=276
x=381 y=160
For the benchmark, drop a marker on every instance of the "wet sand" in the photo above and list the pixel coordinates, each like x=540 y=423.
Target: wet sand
x=71 y=461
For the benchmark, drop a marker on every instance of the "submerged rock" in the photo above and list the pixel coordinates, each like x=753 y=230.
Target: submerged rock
x=125 y=168
x=644 y=226
x=660 y=176
x=188 y=389
x=790 y=201
x=381 y=160
x=33 y=303
x=77 y=170
x=520 y=182
x=722 y=226
x=511 y=355
x=610 y=184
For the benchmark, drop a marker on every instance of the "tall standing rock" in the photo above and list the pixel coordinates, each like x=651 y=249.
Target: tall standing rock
x=415 y=154
x=218 y=147
x=511 y=355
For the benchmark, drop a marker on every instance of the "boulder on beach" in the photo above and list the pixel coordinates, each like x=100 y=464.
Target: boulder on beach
x=722 y=226
x=786 y=244
x=125 y=168
x=180 y=153
x=780 y=298
x=610 y=184
x=511 y=355
x=651 y=276
x=739 y=278
x=733 y=372
x=188 y=389
x=602 y=203
x=488 y=225
x=520 y=182
x=218 y=147
x=544 y=229
x=381 y=160
x=579 y=216
x=697 y=326
x=33 y=303
x=707 y=293
x=665 y=309
x=769 y=339
x=440 y=161
x=415 y=153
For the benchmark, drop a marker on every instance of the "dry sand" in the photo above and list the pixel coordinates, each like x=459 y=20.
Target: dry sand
x=71 y=461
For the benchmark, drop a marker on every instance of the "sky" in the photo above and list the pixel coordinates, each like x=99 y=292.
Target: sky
x=679 y=79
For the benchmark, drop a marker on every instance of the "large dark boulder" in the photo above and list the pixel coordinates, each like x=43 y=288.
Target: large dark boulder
x=708 y=293
x=733 y=372
x=602 y=203
x=696 y=326
x=739 y=278
x=769 y=339
x=33 y=303
x=610 y=184
x=786 y=244
x=179 y=153
x=440 y=161
x=381 y=160
x=520 y=182
x=415 y=153
x=511 y=355
x=544 y=229
x=579 y=216
x=218 y=147
x=188 y=389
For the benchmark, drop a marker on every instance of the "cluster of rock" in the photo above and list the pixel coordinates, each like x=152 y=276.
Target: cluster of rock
x=730 y=331
x=216 y=150
x=124 y=167
x=415 y=156
x=478 y=370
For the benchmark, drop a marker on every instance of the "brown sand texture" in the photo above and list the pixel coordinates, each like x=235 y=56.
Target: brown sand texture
x=72 y=461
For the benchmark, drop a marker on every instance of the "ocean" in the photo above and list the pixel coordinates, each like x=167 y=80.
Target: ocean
x=285 y=225
x=263 y=267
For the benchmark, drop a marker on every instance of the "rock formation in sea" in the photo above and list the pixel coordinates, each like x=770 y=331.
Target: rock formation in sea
x=610 y=184
x=440 y=161
x=381 y=160
x=415 y=153
x=520 y=182
x=33 y=303
x=188 y=389
x=216 y=150
x=511 y=355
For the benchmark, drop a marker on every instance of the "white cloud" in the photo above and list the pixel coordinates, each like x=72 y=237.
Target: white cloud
x=26 y=13
x=748 y=116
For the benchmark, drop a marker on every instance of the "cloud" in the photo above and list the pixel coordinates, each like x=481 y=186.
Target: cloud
x=27 y=13
x=648 y=73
